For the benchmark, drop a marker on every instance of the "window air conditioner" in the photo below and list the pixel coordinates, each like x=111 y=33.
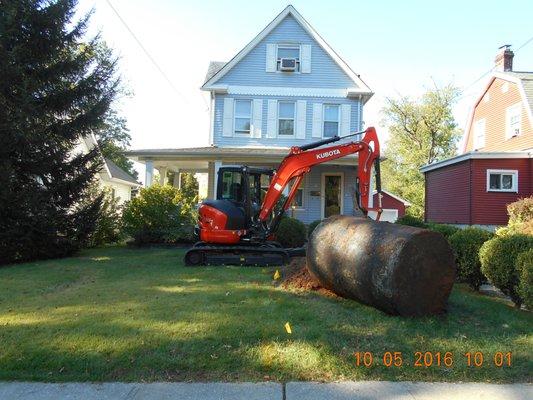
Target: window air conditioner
x=288 y=64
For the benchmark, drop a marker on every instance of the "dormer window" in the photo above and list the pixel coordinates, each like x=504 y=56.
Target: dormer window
x=288 y=58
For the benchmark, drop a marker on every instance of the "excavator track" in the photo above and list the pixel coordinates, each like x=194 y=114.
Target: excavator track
x=259 y=256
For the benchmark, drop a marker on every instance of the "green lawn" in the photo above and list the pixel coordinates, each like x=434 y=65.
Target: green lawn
x=125 y=314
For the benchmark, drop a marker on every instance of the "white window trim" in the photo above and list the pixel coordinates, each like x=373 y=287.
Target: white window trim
x=293 y=119
x=289 y=46
x=513 y=172
x=241 y=134
x=477 y=143
x=324 y=118
x=323 y=191
x=508 y=110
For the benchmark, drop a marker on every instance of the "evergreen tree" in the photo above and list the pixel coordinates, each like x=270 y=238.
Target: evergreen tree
x=55 y=88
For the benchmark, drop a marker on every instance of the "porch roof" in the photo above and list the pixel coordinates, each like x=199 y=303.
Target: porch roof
x=227 y=154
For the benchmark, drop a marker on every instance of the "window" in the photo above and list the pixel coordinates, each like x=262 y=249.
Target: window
x=288 y=51
x=243 y=114
x=502 y=180
x=479 y=134
x=513 y=120
x=505 y=87
x=298 y=200
x=331 y=120
x=286 y=118
x=232 y=186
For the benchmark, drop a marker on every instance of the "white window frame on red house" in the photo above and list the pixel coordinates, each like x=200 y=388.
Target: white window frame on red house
x=501 y=172
x=479 y=133
x=513 y=120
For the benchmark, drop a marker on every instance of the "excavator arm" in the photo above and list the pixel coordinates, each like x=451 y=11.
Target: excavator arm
x=301 y=159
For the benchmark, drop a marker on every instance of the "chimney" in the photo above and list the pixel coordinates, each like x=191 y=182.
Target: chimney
x=504 y=60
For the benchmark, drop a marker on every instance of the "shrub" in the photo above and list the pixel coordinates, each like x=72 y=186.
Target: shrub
x=291 y=232
x=311 y=227
x=466 y=244
x=160 y=214
x=524 y=265
x=498 y=262
x=411 y=221
x=520 y=217
x=109 y=223
x=446 y=230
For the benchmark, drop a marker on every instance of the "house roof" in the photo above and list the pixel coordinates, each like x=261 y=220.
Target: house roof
x=112 y=170
x=118 y=173
x=289 y=10
x=214 y=67
x=523 y=79
x=476 y=155
x=405 y=202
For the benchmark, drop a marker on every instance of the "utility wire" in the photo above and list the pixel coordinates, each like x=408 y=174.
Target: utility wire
x=156 y=65
x=490 y=70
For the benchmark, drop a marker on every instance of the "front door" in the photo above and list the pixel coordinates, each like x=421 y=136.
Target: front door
x=332 y=193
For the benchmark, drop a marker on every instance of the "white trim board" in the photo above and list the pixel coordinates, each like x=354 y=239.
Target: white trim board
x=353 y=93
x=289 y=10
x=476 y=155
x=323 y=191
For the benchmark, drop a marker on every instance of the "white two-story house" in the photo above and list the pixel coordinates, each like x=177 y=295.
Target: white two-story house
x=286 y=88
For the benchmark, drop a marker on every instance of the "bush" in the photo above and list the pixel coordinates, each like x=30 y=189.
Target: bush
x=311 y=227
x=109 y=223
x=466 y=244
x=520 y=217
x=160 y=214
x=446 y=230
x=524 y=266
x=498 y=262
x=411 y=221
x=291 y=232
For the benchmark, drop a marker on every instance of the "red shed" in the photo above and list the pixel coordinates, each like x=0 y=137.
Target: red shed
x=393 y=206
x=475 y=188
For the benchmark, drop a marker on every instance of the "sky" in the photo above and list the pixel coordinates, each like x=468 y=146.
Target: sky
x=400 y=48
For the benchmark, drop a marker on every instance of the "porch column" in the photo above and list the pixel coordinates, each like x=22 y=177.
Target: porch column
x=162 y=175
x=217 y=165
x=177 y=181
x=210 y=180
x=149 y=173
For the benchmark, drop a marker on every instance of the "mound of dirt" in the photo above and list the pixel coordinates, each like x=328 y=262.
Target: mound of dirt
x=297 y=276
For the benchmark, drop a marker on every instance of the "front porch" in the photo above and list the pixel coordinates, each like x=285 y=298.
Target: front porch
x=327 y=189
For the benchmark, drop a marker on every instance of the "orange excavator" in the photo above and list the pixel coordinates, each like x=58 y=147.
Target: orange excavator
x=239 y=227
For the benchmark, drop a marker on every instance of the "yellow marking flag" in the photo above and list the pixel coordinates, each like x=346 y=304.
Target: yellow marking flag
x=277 y=275
x=288 y=328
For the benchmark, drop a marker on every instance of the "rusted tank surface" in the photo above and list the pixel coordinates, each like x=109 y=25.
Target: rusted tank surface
x=398 y=269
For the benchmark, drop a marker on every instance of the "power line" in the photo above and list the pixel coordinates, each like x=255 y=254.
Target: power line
x=490 y=70
x=156 y=65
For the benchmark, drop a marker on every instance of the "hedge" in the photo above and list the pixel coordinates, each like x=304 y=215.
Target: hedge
x=466 y=244
x=498 y=258
x=291 y=232
x=524 y=265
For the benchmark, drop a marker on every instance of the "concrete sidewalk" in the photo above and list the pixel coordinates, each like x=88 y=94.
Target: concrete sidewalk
x=367 y=390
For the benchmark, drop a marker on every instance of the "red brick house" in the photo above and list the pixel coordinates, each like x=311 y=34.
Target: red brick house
x=496 y=167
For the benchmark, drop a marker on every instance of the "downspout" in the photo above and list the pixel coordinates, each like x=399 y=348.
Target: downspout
x=470 y=162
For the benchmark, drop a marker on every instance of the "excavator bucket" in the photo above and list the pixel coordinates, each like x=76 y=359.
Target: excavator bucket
x=398 y=269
